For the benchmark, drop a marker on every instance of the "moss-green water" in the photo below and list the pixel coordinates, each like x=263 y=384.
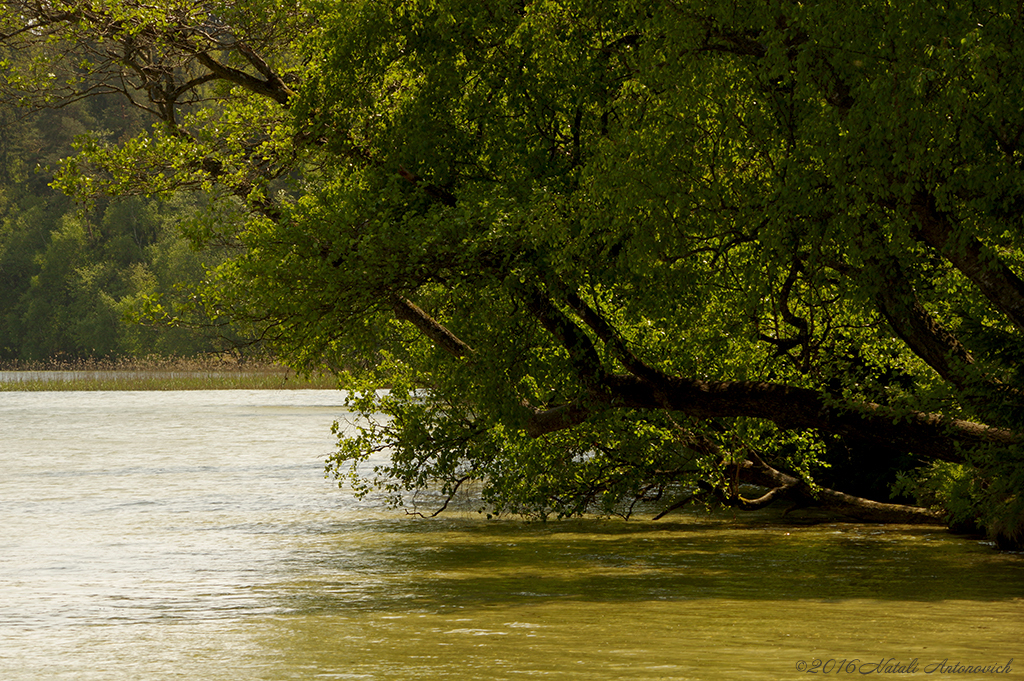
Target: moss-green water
x=610 y=600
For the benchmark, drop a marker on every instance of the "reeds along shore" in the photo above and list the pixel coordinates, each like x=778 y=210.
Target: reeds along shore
x=157 y=374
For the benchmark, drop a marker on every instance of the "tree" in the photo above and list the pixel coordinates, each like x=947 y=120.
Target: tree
x=68 y=274
x=607 y=252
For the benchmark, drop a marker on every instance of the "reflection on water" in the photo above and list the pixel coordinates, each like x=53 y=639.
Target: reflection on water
x=192 y=535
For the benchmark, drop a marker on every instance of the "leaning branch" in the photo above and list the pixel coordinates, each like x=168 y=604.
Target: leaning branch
x=613 y=341
x=931 y=436
x=858 y=508
x=586 y=361
x=923 y=334
x=273 y=88
x=969 y=255
x=408 y=311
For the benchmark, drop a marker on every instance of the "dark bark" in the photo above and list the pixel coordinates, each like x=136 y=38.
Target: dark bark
x=923 y=334
x=930 y=436
x=615 y=343
x=586 y=360
x=803 y=336
x=978 y=263
x=272 y=86
x=782 y=487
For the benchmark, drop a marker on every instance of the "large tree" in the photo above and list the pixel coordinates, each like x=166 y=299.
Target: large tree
x=604 y=252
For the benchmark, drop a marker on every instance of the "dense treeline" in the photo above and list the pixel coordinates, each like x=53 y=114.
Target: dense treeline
x=72 y=275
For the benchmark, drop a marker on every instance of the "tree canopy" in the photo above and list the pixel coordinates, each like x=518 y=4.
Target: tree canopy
x=601 y=253
x=69 y=274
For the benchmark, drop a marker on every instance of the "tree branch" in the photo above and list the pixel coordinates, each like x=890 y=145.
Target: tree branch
x=584 y=356
x=447 y=500
x=923 y=334
x=614 y=342
x=864 y=510
x=429 y=327
x=273 y=88
x=969 y=255
x=931 y=436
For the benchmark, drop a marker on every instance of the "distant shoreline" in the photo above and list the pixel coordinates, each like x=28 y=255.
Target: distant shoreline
x=156 y=374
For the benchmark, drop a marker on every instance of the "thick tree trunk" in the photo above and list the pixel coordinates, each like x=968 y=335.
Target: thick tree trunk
x=931 y=436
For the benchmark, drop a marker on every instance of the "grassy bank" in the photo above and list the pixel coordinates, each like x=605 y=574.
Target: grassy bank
x=156 y=374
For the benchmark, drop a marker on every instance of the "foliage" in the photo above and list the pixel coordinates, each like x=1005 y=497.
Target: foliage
x=71 y=276
x=610 y=251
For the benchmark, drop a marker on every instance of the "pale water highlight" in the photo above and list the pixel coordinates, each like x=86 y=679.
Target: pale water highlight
x=192 y=535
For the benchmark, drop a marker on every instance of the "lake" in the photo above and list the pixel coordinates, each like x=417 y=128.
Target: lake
x=192 y=535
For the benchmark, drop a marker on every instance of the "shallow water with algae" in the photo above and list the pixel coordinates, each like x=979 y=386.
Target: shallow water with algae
x=188 y=535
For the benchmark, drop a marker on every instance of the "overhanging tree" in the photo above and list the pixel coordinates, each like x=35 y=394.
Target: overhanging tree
x=605 y=252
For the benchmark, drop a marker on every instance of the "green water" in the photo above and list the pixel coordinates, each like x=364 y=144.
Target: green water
x=614 y=600
x=191 y=535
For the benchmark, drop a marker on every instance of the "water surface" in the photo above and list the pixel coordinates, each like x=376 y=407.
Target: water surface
x=191 y=535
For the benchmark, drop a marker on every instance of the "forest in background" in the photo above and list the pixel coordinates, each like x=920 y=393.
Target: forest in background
x=73 y=274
